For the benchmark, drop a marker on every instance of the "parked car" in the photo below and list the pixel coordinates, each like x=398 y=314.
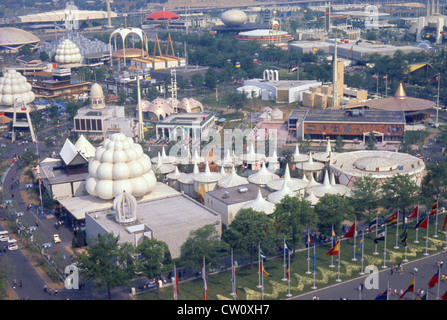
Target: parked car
x=56 y=238
x=12 y=245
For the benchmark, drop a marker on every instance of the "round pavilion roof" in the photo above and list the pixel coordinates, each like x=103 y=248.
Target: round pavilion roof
x=277 y=196
x=162 y=15
x=232 y=180
x=207 y=176
x=293 y=183
x=328 y=188
x=263 y=176
x=14 y=38
x=260 y=205
x=400 y=102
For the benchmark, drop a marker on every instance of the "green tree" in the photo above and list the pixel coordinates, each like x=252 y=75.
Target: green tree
x=400 y=191
x=247 y=230
x=154 y=255
x=339 y=144
x=203 y=242
x=365 y=196
x=105 y=262
x=292 y=216
x=332 y=209
x=235 y=100
x=29 y=158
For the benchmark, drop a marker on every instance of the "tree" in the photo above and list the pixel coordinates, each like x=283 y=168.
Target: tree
x=211 y=79
x=247 y=230
x=332 y=209
x=401 y=192
x=235 y=100
x=29 y=158
x=371 y=144
x=203 y=242
x=365 y=195
x=105 y=262
x=292 y=216
x=339 y=144
x=154 y=254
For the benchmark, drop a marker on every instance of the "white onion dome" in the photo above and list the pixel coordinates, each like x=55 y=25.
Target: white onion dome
x=260 y=205
x=119 y=165
x=68 y=52
x=14 y=86
x=97 y=99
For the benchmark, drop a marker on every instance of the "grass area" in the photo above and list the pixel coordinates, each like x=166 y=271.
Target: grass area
x=247 y=279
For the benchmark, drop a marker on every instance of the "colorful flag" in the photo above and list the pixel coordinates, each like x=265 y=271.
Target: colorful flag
x=445 y=222
x=422 y=224
x=424 y=297
x=334 y=237
x=351 y=232
x=205 y=288
x=404 y=236
x=434 y=280
x=309 y=239
x=385 y=77
x=444 y=296
x=373 y=224
x=434 y=208
x=360 y=248
x=409 y=289
x=334 y=250
x=414 y=213
x=392 y=220
x=380 y=235
x=435 y=78
x=382 y=295
x=295 y=68
x=175 y=284
x=374 y=76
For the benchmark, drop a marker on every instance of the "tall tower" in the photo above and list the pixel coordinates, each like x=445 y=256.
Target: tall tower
x=109 y=14
x=335 y=77
x=327 y=20
x=140 y=129
x=174 y=88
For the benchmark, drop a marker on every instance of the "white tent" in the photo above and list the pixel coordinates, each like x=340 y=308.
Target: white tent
x=277 y=196
x=260 y=205
x=85 y=147
x=293 y=183
x=263 y=176
x=232 y=180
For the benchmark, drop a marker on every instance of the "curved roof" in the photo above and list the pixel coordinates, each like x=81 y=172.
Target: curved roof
x=190 y=105
x=162 y=15
x=96 y=91
x=260 y=204
x=207 y=176
x=277 y=196
x=251 y=156
x=293 y=183
x=13 y=86
x=13 y=37
x=311 y=165
x=400 y=102
x=328 y=188
x=234 y=17
x=232 y=180
x=263 y=176
x=324 y=156
x=158 y=106
x=298 y=157
x=229 y=160
x=188 y=178
x=68 y=52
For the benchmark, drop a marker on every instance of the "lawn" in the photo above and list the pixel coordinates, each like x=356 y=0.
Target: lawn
x=219 y=284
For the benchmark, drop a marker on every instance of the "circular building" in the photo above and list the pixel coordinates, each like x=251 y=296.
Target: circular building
x=67 y=52
x=14 y=86
x=119 y=165
x=158 y=108
x=263 y=176
x=350 y=166
x=260 y=204
x=415 y=109
x=12 y=39
x=265 y=36
x=162 y=15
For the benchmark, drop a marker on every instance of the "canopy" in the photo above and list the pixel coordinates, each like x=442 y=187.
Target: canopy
x=260 y=205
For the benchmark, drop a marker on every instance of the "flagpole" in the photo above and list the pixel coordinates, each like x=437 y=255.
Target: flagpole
x=439 y=279
x=308 y=253
x=174 y=281
x=314 y=287
x=332 y=243
x=339 y=250
x=384 y=249
x=205 y=293
x=397 y=230
x=386 y=86
x=417 y=229
x=355 y=236
x=288 y=275
x=233 y=276
x=377 y=227
x=259 y=265
x=284 y=245
x=436 y=220
x=363 y=245
x=426 y=239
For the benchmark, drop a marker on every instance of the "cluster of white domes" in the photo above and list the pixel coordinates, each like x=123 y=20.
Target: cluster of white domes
x=68 y=52
x=120 y=165
x=12 y=86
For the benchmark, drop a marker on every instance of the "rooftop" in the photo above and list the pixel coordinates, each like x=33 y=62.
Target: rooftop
x=232 y=195
x=367 y=116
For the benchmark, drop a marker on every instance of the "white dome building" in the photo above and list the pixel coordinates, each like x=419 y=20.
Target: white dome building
x=158 y=107
x=190 y=105
x=296 y=185
x=232 y=180
x=234 y=17
x=14 y=86
x=277 y=196
x=379 y=164
x=173 y=178
x=311 y=167
x=328 y=188
x=119 y=165
x=263 y=176
x=299 y=157
x=206 y=181
x=68 y=52
x=97 y=98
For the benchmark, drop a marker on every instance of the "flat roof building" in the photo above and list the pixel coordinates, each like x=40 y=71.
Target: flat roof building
x=184 y=125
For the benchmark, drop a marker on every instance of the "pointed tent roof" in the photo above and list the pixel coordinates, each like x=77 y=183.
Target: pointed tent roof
x=188 y=178
x=232 y=180
x=165 y=158
x=70 y=155
x=163 y=168
x=328 y=188
x=312 y=198
x=251 y=155
x=293 y=183
x=298 y=157
x=174 y=175
x=229 y=160
x=311 y=165
x=325 y=156
x=263 y=176
x=207 y=176
x=86 y=148
x=277 y=196
x=260 y=204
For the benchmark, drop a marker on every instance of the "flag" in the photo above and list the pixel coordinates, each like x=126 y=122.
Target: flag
x=205 y=288
x=404 y=236
x=351 y=232
x=435 y=78
x=424 y=297
x=373 y=224
x=382 y=295
x=263 y=271
x=334 y=250
x=385 y=77
x=309 y=240
x=350 y=50
x=392 y=220
x=414 y=213
x=444 y=296
x=445 y=221
x=334 y=238
x=422 y=224
x=374 y=76
x=434 y=208
x=434 y=280
x=380 y=235
x=175 y=284
x=295 y=68
x=409 y=289
x=360 y=248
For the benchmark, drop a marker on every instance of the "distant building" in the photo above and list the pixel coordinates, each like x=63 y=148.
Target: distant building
x=351 y=125
x=185 y=126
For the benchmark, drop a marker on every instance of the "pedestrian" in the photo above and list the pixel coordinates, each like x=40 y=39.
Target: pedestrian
x=415 y=270
x=392 y=268
x=55 y=292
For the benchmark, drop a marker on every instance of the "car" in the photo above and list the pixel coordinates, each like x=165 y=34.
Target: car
x=4 y=236
x=12 y=245
x=56 y=238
